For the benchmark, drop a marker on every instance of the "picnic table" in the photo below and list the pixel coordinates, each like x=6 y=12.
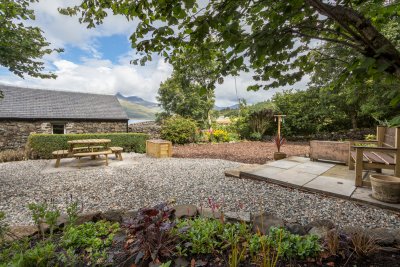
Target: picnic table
x=89 y=148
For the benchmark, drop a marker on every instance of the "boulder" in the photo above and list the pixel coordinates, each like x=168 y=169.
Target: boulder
x=320 y=223
x=237 y=216
x=21 y=231
x=383 y=236
x=296 y=229
x=185 y=211
x=211 y=214
x=112 y=215
x=263 y=221
x=88 y=217
x=319 y=228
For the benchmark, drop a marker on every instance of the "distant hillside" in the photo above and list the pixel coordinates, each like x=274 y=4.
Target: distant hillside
x=137 y=100
x=138 y=108
x=236 y=106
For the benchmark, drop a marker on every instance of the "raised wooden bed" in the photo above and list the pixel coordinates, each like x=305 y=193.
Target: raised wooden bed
x=159 y=148
x=330 y=151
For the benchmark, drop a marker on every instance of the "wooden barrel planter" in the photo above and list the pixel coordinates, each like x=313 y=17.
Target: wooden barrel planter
x=385 y=188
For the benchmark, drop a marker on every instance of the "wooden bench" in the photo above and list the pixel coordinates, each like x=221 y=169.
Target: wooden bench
x=58 y=154
x=92 y=154
x=384 y=154
x=117 y=151
x=87 y=149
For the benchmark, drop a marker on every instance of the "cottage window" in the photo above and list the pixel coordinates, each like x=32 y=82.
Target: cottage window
x=58 y=128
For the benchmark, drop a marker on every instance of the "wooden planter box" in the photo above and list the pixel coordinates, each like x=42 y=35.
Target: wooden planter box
x=330 y=151
x=159 y=148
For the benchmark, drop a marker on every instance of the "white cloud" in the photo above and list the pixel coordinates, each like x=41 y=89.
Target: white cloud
x=98 y=75
x=102 y=77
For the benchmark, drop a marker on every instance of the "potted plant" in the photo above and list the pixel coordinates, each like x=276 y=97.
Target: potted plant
x=279 y=141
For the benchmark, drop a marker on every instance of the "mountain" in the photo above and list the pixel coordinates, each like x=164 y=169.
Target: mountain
x=236 y=106
x=137 y=100
x=137 y=108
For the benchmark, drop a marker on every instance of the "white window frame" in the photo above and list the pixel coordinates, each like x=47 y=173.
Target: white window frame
x=55 y=123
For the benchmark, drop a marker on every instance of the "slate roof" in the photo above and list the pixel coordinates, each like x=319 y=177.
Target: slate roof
x=26 y=103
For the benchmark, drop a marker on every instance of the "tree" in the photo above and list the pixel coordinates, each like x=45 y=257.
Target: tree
x=271 y=37
x=178 y=95
x=21 y=46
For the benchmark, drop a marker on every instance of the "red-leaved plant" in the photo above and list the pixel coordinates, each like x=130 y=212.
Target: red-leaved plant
x=279 y=141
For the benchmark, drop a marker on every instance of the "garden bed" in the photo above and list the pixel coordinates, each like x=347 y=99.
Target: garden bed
x=187 y=235
x=246 y=152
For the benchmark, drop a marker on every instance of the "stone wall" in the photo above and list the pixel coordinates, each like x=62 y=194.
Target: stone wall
x=14 y=134
x=149 y=127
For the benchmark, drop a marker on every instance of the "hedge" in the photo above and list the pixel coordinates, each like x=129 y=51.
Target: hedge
x=42 y=145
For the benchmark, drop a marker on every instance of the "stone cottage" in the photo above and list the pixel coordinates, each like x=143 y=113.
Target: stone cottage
x=23 y=111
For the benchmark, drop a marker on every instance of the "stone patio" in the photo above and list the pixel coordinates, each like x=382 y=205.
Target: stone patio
x=302 y=173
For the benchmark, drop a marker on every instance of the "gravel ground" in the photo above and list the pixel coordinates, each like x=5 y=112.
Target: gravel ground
x=246 y=152
x=150 y=181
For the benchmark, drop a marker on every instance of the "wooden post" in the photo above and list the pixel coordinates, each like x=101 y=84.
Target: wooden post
x=359 y=166
x=380 y=135
x=279 y=124
x=351 y=160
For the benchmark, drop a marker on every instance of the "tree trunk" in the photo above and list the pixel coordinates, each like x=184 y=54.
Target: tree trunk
x=354 y=121
x=373 y=43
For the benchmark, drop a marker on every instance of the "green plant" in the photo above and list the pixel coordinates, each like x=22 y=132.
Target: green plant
x=38 y=212
x=370 y=137
x=255 y=136
x=73 y=210
x=91 y=237
x=236 y=255
x=44 y=213
x=12 y=155
x=68 y=258
x=43 y=254
x=3 y=226
x=42 y=145
x=200 y=235
x=166 y=264
x=179 y=130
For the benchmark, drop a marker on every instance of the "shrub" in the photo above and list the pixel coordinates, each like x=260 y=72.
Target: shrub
x=12 y=155
x=179 y=130
x=220 y=136
x=42 y=145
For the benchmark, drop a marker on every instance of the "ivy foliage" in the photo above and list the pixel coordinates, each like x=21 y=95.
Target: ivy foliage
x=273 y=38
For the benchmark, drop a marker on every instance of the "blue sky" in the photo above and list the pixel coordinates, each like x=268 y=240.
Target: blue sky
x=97 y=60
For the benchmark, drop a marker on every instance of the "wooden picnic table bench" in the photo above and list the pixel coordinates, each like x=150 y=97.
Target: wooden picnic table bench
x=383 y=153
x=92 y=154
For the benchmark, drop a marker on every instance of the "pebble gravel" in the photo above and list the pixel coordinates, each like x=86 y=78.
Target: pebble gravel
x=189 y=181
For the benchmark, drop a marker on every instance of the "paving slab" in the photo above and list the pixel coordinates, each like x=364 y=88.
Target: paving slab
x=293 y=178
x=332 y=186
x=261 y=173
x=341 y=171
x=364 y=195
x=283 y=163
x=329 y=179
x=299 y=159
x=246 y=167
x=317 y=168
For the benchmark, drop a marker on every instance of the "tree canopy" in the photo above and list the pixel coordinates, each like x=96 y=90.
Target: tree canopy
x=22 y=47
x=274 y=38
